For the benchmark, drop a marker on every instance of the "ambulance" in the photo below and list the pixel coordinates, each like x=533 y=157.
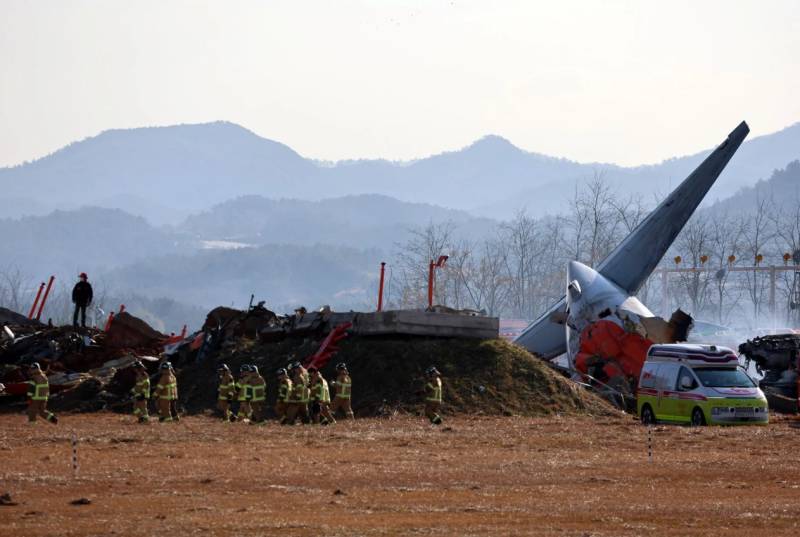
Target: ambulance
x=698 y=385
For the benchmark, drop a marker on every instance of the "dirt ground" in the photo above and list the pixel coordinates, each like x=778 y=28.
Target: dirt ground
x=476 y=476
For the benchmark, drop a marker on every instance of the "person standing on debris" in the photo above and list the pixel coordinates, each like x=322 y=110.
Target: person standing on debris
x=38 y=393
x=226 y=392
x=82 y=295
x=244 y=394
x=258 y=387
x=298 y=398
x=141 y=392
x=167 y=394
x=321 y=396
x=433 y=395
x=284 y=392
x=343 y=386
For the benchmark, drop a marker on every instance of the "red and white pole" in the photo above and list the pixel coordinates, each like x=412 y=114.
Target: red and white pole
x=380 y=287
x=36 y=301
x=44 y=298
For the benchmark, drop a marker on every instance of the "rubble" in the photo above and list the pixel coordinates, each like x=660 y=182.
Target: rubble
x=12 y=317
x=80 y=364
x=127 y=331
x=89 y=370
x=776 y=358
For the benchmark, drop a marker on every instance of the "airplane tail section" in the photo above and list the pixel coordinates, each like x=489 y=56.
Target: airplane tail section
x=636 y=257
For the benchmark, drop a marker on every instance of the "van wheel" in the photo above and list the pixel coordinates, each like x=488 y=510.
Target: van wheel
x=698 y=419
x=648 y=418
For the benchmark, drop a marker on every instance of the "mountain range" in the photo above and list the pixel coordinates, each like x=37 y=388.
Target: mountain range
x=177 y=220
x=167 y=173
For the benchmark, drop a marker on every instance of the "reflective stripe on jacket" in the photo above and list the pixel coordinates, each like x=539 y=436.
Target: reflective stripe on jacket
x=284 y=390
x=227 y=387
x=321 y=392
x=259 y=390
x=142 y=387
x=343 y=388
x=38 y=391
x=245 y=391
x=434 y=391
x=167 y=390
x=298 y=393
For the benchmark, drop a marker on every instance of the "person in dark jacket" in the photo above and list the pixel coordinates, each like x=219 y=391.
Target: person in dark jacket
x=81 y=297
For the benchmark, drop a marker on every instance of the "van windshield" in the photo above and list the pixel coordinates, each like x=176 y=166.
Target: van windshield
x=723 y=377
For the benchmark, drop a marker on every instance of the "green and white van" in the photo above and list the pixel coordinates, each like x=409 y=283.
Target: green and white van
x=698 y=384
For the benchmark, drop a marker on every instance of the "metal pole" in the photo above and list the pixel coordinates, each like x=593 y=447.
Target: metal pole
x=36 y=301
x=44 y=298
x=665 y=299
x=772 y=309
x=380 y=287
x=430 y=284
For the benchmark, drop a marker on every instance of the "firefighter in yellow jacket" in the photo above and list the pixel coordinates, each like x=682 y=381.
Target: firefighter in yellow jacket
x=226 y=392
x=298 y=398
x=433 y=395
x=141 y=392
x=244 y=394
x=38 y=393
x=258 y=387
x=166 y=393
x=343 y=386
x=284 y=393
x=321 y=398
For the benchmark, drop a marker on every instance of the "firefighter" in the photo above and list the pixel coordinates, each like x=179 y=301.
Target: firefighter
x=433 y=395
x=167 y=394
x=298 y=398
x=321 y=397
x=141 y=392
x=258 y=387
x=244 y=394
x=226 y=392
x=38 y=393
x=343 y=386
x=284 y=391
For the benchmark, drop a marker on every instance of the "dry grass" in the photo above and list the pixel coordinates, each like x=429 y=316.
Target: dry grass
x=478 y=476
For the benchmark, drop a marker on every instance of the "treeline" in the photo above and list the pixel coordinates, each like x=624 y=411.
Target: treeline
x=519 y=270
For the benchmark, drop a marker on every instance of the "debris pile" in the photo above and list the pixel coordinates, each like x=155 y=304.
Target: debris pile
x=90 y=370
x=86 y=368
x=776 y=358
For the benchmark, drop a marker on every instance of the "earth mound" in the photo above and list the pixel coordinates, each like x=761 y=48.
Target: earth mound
x=491 y=377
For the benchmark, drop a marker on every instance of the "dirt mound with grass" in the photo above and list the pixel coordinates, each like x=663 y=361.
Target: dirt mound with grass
x=491 y=377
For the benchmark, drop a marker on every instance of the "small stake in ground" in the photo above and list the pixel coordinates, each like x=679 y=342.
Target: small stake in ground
x=650 y=444
x=74 y=454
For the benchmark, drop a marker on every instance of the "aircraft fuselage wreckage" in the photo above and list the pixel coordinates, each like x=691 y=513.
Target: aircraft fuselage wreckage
x=600 y=325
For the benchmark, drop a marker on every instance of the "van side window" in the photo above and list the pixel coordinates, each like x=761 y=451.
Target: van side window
x=649 y=376
x=686 y=381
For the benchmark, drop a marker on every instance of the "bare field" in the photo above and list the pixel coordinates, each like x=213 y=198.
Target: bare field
x=477 y=476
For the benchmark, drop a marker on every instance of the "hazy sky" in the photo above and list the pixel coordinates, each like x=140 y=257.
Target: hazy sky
x=627 y=82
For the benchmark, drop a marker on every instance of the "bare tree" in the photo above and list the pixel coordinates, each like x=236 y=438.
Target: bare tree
x=756 y=237
x=412 y=261
x=15 y=289
x=695 y=243
x=519 y=238
x=725 y=242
